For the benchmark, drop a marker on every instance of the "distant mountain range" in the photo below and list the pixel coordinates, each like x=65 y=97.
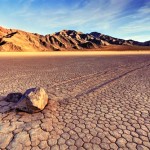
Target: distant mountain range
x=65 y=40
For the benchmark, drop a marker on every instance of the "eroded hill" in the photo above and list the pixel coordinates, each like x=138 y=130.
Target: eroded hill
x=17 y=40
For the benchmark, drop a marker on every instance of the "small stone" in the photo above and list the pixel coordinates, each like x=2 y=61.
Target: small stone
x=33 y=100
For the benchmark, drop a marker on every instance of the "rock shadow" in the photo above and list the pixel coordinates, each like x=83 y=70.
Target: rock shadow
x=5 y=106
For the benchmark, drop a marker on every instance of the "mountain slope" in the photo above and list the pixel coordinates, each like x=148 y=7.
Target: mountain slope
x=17 y=40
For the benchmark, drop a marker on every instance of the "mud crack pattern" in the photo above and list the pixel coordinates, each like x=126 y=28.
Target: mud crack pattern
x=97 y=103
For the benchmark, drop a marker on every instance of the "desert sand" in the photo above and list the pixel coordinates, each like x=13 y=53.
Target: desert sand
x=74 y=53
x=97 y=100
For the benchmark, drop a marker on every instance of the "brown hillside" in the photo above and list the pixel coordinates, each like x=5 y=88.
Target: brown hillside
x=17 y=40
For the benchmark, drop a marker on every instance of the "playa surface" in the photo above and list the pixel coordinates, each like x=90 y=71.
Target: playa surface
x=95 y=101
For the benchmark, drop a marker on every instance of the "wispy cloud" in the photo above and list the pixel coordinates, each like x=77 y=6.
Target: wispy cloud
x=113 y=17
x=25 y=9
x=93 y=13
x=139 y=21
x=141 y=38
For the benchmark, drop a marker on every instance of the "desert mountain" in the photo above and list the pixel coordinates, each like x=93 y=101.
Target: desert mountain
x=17 y=40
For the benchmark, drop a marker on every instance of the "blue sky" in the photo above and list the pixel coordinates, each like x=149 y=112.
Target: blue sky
x=128 y=19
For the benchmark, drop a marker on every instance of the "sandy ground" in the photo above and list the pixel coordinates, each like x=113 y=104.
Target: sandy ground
x=72 y=53
x=96 y=102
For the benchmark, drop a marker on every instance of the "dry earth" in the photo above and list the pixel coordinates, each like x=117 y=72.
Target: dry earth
x=96 y=102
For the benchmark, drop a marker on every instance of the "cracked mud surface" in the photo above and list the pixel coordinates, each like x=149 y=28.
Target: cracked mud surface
x=100 y=102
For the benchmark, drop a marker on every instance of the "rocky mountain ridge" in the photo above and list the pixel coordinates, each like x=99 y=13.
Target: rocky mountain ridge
x=17 y=40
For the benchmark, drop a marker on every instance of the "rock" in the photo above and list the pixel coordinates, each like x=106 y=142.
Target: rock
x=13 y=97
x=33 y=100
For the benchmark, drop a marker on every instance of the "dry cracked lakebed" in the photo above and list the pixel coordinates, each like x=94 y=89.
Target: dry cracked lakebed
x=95 y=102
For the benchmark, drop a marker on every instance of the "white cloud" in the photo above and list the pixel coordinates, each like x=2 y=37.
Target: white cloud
x=94 y=13
x=141 y=38
x=140 y=21
x=108 y=17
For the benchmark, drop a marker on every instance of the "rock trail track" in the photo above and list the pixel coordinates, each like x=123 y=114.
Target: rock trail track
x=100 y=102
